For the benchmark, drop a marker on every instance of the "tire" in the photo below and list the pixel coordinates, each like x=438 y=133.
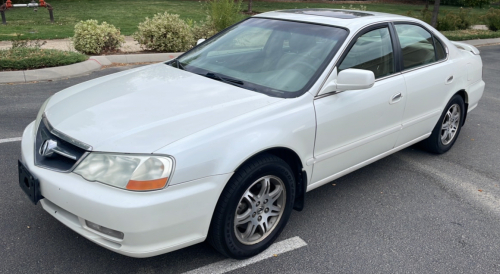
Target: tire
x=235 y=239
x=441 y=139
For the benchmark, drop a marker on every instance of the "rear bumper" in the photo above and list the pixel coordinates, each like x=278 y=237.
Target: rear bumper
x=474 y=94
x=152 y=222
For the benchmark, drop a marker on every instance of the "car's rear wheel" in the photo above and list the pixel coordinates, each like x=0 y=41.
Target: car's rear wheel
x=446 y=131
x=253 y=208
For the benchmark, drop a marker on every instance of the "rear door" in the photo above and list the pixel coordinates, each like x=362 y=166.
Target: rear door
x=429 y=77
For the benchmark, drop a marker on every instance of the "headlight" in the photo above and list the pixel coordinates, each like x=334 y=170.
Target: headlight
x=40 y=114
x=127 y=171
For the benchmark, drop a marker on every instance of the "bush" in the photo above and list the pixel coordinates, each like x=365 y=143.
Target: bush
x=455 y=21
x=492 y=19
x=164 y=32
x=224 y=13
x=92 y=38
x=203 y=30
x=21 y=58
x=476 y=3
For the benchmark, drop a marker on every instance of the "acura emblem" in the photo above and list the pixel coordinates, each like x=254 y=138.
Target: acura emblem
x=48 y=148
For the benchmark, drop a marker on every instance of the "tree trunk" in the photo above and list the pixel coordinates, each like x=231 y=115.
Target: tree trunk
x=249 y=6
x=435 y=13
x=426 y=4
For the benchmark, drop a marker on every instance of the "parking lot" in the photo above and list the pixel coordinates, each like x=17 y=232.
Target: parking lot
x=412 y=212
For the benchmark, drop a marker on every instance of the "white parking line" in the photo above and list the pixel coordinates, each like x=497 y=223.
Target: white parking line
x=230 y=264
x=8 y=140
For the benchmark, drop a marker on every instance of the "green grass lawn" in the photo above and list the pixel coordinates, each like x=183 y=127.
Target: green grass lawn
x=126 y=14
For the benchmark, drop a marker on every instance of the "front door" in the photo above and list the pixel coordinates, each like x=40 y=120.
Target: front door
x=356 y=125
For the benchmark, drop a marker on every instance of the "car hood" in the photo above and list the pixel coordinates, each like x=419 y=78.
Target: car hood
x=144 y=109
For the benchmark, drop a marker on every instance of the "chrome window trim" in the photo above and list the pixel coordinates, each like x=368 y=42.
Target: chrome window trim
x=388 y=76
x=346 y=43
x=433 y=37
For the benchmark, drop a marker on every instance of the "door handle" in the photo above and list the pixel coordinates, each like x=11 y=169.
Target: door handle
x=396 y=98
x=449 y=80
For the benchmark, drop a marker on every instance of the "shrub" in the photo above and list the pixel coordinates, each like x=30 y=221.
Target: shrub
x=164 y=32
x=455 y=21
x=18 y=42
x=476 y=3
x=203 y=30
x=492 y=19
x=351 y=7
x=92 y=38
x=21 y=58
x=224 y=13
x=426 y=15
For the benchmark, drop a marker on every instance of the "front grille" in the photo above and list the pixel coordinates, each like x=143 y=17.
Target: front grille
x=56 y=151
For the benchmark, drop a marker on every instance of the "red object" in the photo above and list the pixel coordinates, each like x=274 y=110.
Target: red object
x=8 y=4
x=42 y=3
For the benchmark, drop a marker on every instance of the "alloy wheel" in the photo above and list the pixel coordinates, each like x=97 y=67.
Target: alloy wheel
x=450 y=125
x=259 y=210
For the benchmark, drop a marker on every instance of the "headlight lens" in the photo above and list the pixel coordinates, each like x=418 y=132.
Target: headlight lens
x=132 y=172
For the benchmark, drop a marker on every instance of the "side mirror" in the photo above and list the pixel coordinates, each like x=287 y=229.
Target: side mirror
x=349 y=79
x=200 y=41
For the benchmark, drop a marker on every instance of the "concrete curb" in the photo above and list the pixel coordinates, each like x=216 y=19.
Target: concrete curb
x=482 y=42
x=92 y=64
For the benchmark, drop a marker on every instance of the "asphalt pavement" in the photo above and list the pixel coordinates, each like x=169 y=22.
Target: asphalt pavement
x=411 y=212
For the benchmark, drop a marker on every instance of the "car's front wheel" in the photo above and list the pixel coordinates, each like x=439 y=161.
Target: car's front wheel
x=446 y=131
x=253 y=208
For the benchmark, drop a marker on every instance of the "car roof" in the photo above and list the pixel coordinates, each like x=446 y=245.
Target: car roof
x=336 y=17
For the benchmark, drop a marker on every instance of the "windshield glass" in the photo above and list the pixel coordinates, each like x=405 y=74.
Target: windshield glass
x=275 y=57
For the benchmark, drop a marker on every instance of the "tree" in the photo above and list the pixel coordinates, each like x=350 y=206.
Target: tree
x=249 y=6
x=435 y=13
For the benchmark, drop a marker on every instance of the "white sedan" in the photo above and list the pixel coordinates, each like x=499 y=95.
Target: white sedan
x=222 y=143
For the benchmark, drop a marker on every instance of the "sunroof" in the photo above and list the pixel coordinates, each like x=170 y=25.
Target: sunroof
x=342 y=14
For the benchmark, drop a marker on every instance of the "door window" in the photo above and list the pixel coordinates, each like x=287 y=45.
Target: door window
x=440 y=51
x=417 y=45
x=372 y=51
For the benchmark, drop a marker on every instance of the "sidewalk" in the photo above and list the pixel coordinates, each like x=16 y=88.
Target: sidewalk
x=65 y=44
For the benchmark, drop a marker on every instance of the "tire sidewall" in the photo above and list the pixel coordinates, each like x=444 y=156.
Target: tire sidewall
x=280 y=170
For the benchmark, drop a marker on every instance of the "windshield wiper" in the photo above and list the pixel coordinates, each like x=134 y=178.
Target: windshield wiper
x=230 y=81
x=177 y=64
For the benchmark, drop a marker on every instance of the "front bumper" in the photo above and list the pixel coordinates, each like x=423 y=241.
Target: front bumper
x=153 y=222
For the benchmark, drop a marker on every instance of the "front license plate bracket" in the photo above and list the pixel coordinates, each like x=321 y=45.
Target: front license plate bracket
x=29 y=184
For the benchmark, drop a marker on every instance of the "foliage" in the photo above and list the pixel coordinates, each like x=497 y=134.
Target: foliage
x=470 y=34
x=447 y=21
x=202 y=30
x=92 y=38
x=164 y=32
x=127 y=14
x=454 y=21
x=426 y=15
x=18 y=42
x=224 y=13
x=351 y=7
x=492 y=19
x=22 y=58
x=476 y=3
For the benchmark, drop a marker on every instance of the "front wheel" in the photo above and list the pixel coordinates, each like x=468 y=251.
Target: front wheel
x=253 y=208
x=446 y=131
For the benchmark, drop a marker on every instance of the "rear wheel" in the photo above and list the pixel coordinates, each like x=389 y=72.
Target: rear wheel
x=446 y=131
x=253 y=208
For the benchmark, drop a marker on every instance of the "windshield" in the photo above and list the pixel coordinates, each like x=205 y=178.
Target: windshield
x=275 y=57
